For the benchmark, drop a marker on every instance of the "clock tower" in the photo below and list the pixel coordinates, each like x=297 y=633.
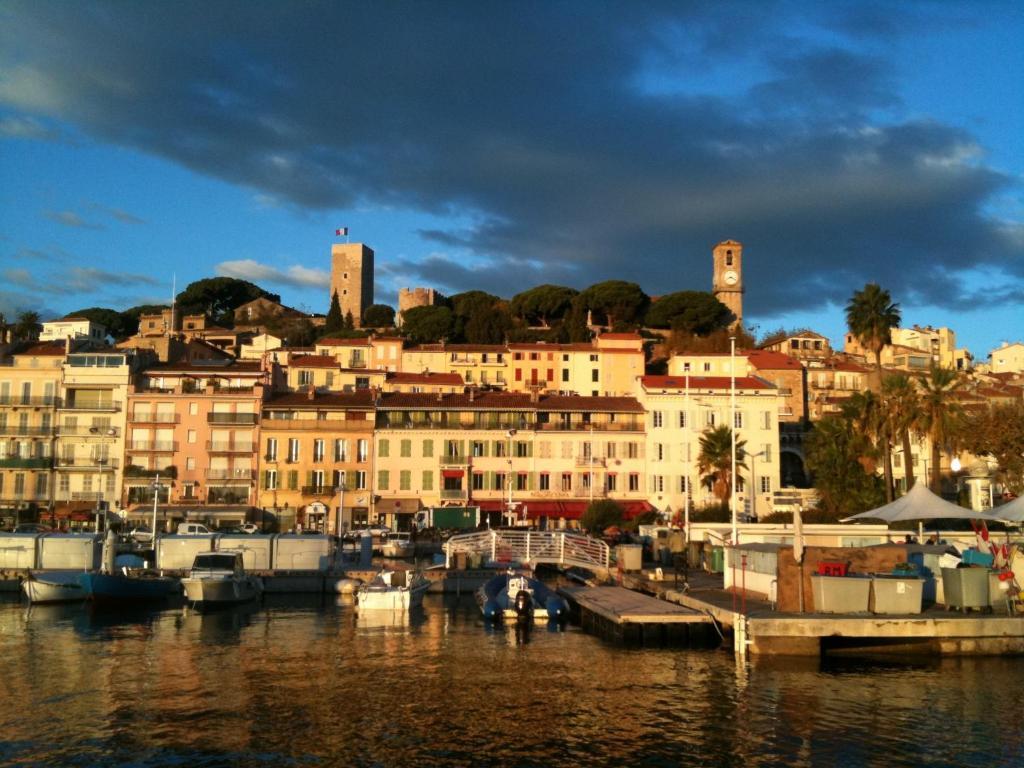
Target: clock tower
x=727 y=282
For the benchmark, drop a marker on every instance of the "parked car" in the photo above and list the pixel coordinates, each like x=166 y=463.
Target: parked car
x=32 y=528
x=193 y=529
x=141 y=534
x=247 y=528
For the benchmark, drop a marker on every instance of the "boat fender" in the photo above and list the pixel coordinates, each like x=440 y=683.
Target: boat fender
x=523 y=605
x=556 y=608
x=492 y=611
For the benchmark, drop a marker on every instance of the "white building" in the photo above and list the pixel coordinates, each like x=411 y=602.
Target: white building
x=73 y=327
x=1007 y=358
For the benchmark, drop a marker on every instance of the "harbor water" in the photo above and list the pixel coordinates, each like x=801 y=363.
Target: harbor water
x=307 y=681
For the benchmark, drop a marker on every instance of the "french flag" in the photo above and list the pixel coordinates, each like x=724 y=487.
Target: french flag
x=341 y=232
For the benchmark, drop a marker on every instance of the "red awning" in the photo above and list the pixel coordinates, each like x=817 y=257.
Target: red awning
x=633 y=509
x=489 y=506
x=452 y=472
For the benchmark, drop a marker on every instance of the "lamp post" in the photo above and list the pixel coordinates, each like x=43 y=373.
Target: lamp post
x=591 y=452
x=732 y=430
x=339 y=527
x=510 y=434
x=156 y=498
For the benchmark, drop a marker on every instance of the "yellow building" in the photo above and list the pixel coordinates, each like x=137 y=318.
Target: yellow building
x=316 y=459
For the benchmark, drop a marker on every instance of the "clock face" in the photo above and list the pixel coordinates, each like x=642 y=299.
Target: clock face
x=730 y=277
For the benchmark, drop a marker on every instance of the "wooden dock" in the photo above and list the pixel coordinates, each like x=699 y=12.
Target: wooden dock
x=623 y=615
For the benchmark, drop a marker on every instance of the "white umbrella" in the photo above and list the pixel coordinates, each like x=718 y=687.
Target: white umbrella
x=921 y=504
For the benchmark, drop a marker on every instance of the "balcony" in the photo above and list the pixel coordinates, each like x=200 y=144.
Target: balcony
x=316 y=425
x=454 y=494
x=244 y=475
x=95 y=464
x=356 y=362
x=246 y=419
x=88 y=405
x=592 y=461
x=153 y=447
x=218 y=447
x=454 y=461
x=785 y=391
x=87 y=496
x=455 y=360
x=150 y=417
x=134 y=470
x=48 y=401
x=317 y=490
x=227 y=496
x=17 y=431
x=22 y=462
x=821 y=385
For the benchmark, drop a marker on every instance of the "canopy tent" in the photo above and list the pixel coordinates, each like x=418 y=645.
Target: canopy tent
x=1013 y=512
x=921 y=504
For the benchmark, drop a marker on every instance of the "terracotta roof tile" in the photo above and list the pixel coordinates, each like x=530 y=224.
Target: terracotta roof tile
x=704 y=382
x=407 y=377
x=362 y=399
x=508 y=401
x=312 y=361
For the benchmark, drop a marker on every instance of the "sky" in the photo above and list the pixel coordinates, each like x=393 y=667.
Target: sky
x=499 y=146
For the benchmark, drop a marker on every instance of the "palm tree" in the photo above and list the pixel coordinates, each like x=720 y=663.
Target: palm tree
x=27 y=327
x=939 y=413
x=871 y=315
x=835 y=450
x=902 y=409
x=864 y=411
x=715 y=460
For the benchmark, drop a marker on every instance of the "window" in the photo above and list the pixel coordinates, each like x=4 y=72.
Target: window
x=305 y=378
x=362 y=450
x=317 y=479
x=478 y=448
x=478 y=481
x=522 y=481
x=738 y=420
x=565 y=374
x=405 y=480
x=595 y=375
x=659 y=452
x=686 y=367
x=566 y=481
x=190 y=462
x=684 y=484
x=452 y=448
x=191 y=436
x=707 y=367
x=657 y=419
x=499 y=481
x=632 y=450
x=405 y=449
x=339 y=480
x=383 y=479
x=709 y=418
x=519 y=374
x=659 y=483
x=293 y=449
x=728 y=258
x=766 y=452
x=522 y=449
x=545 y=481
x=766 y=484
x=609 y=482
x=271 y=449
x=193 y=409
x=293 y=479
x=428 y=449
x=593 y=358
x=634 y=481
x=318 y=449
x=499 y=449
x=428 y=480
x=383 y=448
x=341 y=449
x=551 y=374
x=360 y=480
x=766 y=419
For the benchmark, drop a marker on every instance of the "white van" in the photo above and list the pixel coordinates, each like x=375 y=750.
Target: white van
x=193 y=529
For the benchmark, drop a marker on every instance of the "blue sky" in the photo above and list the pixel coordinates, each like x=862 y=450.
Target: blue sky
x=500 y=146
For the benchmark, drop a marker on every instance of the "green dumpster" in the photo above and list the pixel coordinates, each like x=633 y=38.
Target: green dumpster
x=718 y=560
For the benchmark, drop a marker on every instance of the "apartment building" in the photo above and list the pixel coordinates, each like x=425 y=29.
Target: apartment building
x=316 y=460
x=29 y=387
x=832 y=383
x=541 y=458
x=679 y=409
x=196 y=425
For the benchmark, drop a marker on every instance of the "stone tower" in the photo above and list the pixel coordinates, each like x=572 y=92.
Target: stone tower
x=414 y=297
x=727 y=281
x=352 y=278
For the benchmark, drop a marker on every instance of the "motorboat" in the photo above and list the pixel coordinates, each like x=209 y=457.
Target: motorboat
x=392 y=591
x=53 y=586
x=513 y=595
x=127 y=586
x=219 y=578
x=398 y=545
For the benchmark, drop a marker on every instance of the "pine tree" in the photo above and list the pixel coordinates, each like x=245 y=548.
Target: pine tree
x=350 y=323
x=334 y=321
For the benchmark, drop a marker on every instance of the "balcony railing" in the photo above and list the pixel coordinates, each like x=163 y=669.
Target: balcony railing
x=17 y=400
x=356 y=363
x=18 y=431
x=226 y=496
x=82 y=430
x=134 y=470
x=244 y=475
x=454 y=461
x=457 y=494
x=150 y=417
x=523 y=426
x=86 y=462
x=19 y=462
x=248 y=419
x=317 y=490
x=105 y=405
x=153 y=447
x=316 y=425
x=219 y=447
x=592 y=461
x=87 y=496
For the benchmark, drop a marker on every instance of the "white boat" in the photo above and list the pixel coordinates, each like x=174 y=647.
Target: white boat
x=398 y=545
x=219 y=578
x=392 y=591
x=53 y=587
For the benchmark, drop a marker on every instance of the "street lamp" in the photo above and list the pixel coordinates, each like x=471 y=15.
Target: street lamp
x=340 y=490
x=511 y=510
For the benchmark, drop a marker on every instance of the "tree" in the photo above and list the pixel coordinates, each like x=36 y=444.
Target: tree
x=716 y=341
x=834 y=451
x=616 y=302
x=864 y=411
x=574 y=326
x=426 y=324
x=27 y=328
x=111 y=320
x=939 y=414
x=543 y=304
x=601 y=514
x=871 y=316
x=490 y=327
x=902 y=410
x=334 y=322
x=997 y=431
x=219 y=297
x=349 y=323
x=379 y=316
x=694 y=312
x=715 y=460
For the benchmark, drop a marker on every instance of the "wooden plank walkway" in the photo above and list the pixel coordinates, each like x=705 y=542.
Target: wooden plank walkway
x=624 y=606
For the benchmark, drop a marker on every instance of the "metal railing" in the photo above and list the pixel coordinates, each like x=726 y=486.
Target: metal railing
x=248 y=419
x=596 y=461
x=106 y=405
x=218 y=447
x=16 y=400
x=453 y=461
x=19 y=431
x=150 y=417
x=86 y=462
x=149 y=446
x=26 y=462
x=230 y=474
x=531 y=547
x=449 y=494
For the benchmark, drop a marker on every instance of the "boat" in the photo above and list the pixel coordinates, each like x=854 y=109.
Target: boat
x=398 y=545
x=53 y=587
x=513 y=595
x=126 y=586
x=219 y=578
x=392 y=591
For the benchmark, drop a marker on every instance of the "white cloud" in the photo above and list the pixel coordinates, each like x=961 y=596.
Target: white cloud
x=297 y=275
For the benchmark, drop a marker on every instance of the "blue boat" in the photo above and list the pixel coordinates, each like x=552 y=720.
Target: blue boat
x=512 y=595
x=120 y=588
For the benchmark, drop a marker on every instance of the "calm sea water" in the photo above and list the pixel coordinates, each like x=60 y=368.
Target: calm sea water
x=298 y=682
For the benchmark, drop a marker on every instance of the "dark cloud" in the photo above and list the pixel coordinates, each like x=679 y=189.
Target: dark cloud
x=543 y=127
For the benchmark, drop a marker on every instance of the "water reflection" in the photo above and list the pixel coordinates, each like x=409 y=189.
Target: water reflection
x=311 y=681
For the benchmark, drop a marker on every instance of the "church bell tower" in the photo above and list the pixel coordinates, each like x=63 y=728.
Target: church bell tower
x=727 y=281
